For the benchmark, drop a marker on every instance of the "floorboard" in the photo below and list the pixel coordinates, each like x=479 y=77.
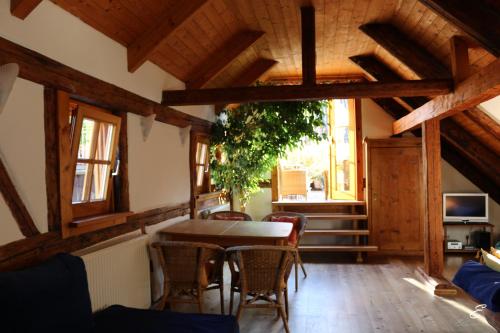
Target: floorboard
x=381 y=295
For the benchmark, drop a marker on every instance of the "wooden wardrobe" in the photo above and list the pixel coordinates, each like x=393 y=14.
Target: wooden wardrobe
x=395 y=195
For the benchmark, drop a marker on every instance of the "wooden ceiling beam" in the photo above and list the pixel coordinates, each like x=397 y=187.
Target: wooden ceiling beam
x=298 y=93
x=249 y=76
x=460 y=66
x=478 y=88
x=147 y=43
x=478 y=18
x=221 y=58
x=22 y=8
x=485 y=121
x=308 y=34
x=418 y=59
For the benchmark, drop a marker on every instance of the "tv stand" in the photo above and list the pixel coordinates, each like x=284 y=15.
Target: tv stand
x=468 y=224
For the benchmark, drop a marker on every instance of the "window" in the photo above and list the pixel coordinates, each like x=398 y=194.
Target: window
x=201 y=177
x=342 y=133
x=94 y=145
x=329 y=169
x=93 y=184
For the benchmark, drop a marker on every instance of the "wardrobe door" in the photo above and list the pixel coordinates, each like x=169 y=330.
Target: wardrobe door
x=395 y=195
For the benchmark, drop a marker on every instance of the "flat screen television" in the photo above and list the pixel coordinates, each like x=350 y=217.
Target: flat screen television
x=465 y=207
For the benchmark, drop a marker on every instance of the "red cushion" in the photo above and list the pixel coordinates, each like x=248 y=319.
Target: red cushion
x=295 y=220
x=226 y=217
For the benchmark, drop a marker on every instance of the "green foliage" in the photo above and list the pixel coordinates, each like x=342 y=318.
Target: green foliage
x=254 y=136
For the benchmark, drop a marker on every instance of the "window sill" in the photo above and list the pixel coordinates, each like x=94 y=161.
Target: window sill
x=98 y=222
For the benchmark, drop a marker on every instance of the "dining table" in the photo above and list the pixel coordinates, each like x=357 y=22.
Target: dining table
x=228 y=233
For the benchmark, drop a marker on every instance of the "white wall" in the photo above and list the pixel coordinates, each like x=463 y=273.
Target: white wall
x=159 y=168
x=492 y=108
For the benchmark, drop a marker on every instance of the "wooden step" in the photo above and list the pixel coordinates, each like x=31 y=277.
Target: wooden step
x=319 y=203
x=338 y=248
x=330 y=232
x=335 y=217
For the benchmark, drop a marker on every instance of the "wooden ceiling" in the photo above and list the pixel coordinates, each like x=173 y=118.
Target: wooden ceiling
x=230 y=43
x=212 y=27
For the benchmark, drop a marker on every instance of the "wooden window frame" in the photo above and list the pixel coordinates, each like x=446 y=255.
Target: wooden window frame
x=80 y=218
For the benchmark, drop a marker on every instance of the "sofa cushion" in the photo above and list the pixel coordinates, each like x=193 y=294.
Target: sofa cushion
x=295 y=220
x=51 y=297
x=481 y=282
x=121 y=319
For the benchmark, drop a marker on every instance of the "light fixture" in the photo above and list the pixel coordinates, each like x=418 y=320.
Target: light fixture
x=8 y=75
x=184 y=133
x=147 y=125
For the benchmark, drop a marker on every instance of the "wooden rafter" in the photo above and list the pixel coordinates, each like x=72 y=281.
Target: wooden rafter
x=297 y=93
x=460 y=66
x=218 y=61
x=456 y=142
x=477 y=18
x=462 y=165
x=22 y=8
x=139 y=51
x=45 y=71
x=251 y=74
x=485 y=121
x=15 y=204
x=423 y=63
x=308 y=28
x=478 y=88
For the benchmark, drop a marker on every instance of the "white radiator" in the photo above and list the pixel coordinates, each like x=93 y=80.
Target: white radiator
x=119 y=274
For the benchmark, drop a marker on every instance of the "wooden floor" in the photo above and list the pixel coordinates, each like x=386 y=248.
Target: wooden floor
x=381 y=296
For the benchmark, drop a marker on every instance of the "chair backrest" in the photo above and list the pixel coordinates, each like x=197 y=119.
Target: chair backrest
x=183 y=263
x=262 y=268
x=302 y=221
x=229 y=215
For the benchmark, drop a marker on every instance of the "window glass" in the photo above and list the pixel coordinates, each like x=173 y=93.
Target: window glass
x=79 y=182
x=104 y=140
x=99 y=182
x=86 y=139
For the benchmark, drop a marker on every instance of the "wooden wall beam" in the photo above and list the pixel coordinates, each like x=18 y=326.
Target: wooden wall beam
x=52 y=159
x=15 y=204
x=422 y=62
x=30 y=251
x=478 y=88
x=148 y=42
x=308 y=34
x=45 y=71
x=477 y=18
x=221 y=58
x=433 y=215
x=22 y=8
x=297 y=93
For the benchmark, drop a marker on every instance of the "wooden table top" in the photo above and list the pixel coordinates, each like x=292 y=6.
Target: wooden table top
x=230 y=229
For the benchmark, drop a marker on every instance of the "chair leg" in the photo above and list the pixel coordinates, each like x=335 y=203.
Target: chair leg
x=221 y=287
x=285 y=319
x=200 y=301
x=285 y=292
x=302 y=265
x=296 y=273
x=240 y=310
x=231 y=298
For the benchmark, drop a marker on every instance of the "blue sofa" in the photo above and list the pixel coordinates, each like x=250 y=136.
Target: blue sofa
x=54 y=297
x=481 y=282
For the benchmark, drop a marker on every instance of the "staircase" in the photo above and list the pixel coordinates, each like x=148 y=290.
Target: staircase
x=334 y=226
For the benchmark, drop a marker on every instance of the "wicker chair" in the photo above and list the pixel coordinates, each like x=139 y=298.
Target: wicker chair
x=190 y=269
x=229 y=215
x=300 y=228
x=258 y=273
